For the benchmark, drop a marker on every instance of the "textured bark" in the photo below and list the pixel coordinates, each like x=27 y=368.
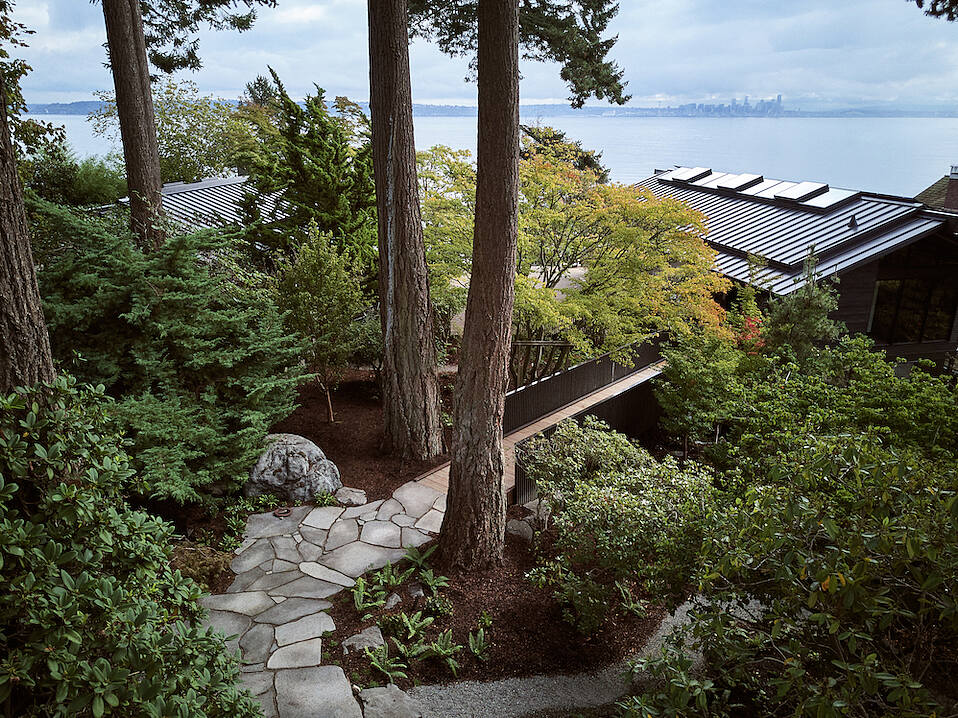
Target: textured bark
x=473 y=530
x=410 y=378
x=24 y=342
x=134 y=108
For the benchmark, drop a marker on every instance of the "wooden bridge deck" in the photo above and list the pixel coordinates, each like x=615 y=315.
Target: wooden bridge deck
x=438 y=478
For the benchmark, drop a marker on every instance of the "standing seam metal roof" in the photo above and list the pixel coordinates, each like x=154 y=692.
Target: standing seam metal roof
x=846 y=228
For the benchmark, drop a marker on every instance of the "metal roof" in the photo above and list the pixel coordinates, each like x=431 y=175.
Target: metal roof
x=779 y=222
x=213 y=202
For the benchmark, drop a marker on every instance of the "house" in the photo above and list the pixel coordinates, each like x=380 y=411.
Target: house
x=896 y=257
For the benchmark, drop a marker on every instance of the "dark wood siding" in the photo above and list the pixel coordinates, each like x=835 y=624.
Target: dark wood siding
x=856 y=293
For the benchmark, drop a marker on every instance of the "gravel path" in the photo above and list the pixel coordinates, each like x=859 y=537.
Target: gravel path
x=516 y=697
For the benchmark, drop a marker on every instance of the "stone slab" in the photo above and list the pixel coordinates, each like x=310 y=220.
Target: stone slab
x=404 y=520
x=389 y=702
x=305 y=628
x=257 y=643
x=297 y=655
x=246 y=579
x=280 y=566
x=348 y=496
x=270 y=581
x=291 y=609
x=228 y=623
x=414 y=538
x=381 y=533
x=371 y=638
x=431 y=522
x=416 y=498
x=356 y=558
x=252 y=557
x=257 y=683
x=285 y=548
x=357 y=511
x=323 y=517
x=307 y=587
x=317 y=692
x=341 y=533
x=309 y=551
x=389 y=509
x=249 y=603
x=323 y=573
x=265 y=524
x=314 y=536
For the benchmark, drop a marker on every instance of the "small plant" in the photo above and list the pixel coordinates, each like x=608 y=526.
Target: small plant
x=412 y=651
x=631 y=604
x=235 y=514
x=367 y=597
x=391 y=577
x=438 y=606
x=416 y=624
x=485 y=620
x=325 y=498
x=479 y=644
x=380 y=660
x=420 y=559
x=433 y=582
x=444 y=648
x=391 y=624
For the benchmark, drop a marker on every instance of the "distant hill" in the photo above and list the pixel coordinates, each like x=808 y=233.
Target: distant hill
x=84 y=107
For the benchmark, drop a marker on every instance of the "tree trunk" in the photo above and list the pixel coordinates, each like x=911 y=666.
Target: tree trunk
x=134 y=108
x=473 y=531
x=409 y=375
x=24 y=343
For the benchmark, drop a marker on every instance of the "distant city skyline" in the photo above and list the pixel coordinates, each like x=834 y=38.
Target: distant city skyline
x=820 y=55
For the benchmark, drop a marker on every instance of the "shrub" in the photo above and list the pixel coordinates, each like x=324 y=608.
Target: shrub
x=98 y=622
x=198 y=361
x=55 y=174
x=619 y=516
x=830 y=594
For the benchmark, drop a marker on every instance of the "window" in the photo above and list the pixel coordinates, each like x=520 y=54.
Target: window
x=913 y=310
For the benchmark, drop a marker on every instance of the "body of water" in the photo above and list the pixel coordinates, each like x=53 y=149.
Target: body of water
x=892 y=155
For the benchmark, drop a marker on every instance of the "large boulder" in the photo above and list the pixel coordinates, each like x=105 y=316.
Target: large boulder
x=294 y=469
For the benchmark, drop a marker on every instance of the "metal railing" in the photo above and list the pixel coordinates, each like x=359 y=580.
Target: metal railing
x=533 y=401
x=642 y=411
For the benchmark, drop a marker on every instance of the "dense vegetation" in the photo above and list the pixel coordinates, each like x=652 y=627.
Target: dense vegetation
x=821 y=550
x=192 y=347
x=97 y=621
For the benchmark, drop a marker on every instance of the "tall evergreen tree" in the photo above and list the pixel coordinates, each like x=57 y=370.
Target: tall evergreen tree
x=473 y=530
x=317 y=166
x=161 y=31
x=24 y=343
x=570 y=34
x=410 y=378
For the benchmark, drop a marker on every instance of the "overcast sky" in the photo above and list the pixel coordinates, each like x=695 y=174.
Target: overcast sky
x=816 y=53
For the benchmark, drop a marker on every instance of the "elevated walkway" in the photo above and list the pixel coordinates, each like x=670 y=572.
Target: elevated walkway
x=438 y=478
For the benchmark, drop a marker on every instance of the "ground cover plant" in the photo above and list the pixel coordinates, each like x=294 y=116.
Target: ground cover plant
x=98 y=623
x=191 y=345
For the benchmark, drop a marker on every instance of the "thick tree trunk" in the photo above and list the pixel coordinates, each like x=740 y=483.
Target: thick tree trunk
x=134 y=108
x=409 y=375
x=473 y=531
x=24 y=342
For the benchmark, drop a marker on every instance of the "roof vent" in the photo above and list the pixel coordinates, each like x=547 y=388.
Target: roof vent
x=853 y=223
x=690 y=174
x=954 y=172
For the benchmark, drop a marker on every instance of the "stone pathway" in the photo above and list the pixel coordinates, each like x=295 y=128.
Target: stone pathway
x=287 y=569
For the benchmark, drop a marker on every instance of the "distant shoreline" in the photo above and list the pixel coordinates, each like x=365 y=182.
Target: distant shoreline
x=86 y=107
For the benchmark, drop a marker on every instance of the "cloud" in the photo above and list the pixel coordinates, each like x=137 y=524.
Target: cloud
x=813 y=52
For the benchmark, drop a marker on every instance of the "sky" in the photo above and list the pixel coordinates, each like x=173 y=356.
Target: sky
x=819 y=54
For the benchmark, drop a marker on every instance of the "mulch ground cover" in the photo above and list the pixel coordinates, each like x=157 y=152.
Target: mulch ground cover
x=527 y=635
x=354 y=440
